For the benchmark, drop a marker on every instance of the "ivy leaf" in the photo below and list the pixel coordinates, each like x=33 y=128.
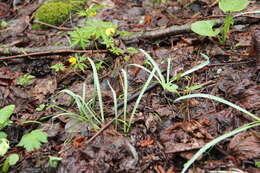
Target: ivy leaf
x=232 y=5
x=205 y=28
x=33 y=140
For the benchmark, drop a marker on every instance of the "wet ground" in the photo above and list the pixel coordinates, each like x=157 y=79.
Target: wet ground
x=164 y=134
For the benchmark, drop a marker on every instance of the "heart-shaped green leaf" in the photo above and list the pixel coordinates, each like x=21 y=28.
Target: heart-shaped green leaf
x=205 y=28
x=5 y=113
x=232 y=5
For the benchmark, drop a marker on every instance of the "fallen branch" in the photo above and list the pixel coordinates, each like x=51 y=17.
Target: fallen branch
x=173 y=30
x=26 y=52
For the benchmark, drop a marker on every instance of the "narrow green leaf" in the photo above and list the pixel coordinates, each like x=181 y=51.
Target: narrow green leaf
x=218 y=99
x=98 y=89
x=197 y=67
x=140 y=97
x=215 y=141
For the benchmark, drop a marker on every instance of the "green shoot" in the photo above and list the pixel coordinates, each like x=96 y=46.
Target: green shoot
x=58 y=67
x=167 y=83
x=25 y=79
x=96 y=31
x=85 y=111
x=125 y=89
x=220 y=138
x=218 y=99
x=152 y=74
x=205 y=28
x=53 y=161
x=132 y=50
x=217 y=140
x=40 y=108
x=91 y=11
x=115 y=104
x=11 y=160
x=77 y=62
x=97 y=89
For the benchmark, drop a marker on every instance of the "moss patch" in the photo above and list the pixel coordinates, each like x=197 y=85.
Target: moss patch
x=56 y=11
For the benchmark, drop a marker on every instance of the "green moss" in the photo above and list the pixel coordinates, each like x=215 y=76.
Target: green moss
x=53 y=13
x=56 y=11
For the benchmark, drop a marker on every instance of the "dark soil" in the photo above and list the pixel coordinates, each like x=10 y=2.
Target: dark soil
x=164 y=134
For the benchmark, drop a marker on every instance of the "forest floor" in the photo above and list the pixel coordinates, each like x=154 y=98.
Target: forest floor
x=164 y=134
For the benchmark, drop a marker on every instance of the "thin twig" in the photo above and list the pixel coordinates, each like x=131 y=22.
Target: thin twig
x=53 y=26
x=100 y=131
x=52 y=52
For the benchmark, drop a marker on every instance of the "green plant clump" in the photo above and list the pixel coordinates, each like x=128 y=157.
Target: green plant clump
x=53 y=13
x=205 y=28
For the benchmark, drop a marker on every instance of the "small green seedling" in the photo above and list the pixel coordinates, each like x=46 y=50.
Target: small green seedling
x=33 y=140
x=205 y=28
x=11 y=160
x=257 y=164
x=58 y=67
x=78 y=62
x=91 y=11
x=159 y=1
x=3 y=24
x=95 y=31
x=41 y=107
x=53 y=161
x=132 y=50
x=25 y=79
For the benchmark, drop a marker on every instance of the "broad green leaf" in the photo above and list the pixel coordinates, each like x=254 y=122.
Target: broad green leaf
x=4 y=146
x=205 y=28
x=3 y=134
x=12 y=159
x=232 y=5
x=33 y=140
x=5 y=113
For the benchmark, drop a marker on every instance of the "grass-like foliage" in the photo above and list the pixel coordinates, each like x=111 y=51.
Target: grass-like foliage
x=97 y=89
x=217 y=140
x=167 y=83
x=11 y=160
x=218 y=99
x=127 y=121
x=85 y=110
x=220 y=138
